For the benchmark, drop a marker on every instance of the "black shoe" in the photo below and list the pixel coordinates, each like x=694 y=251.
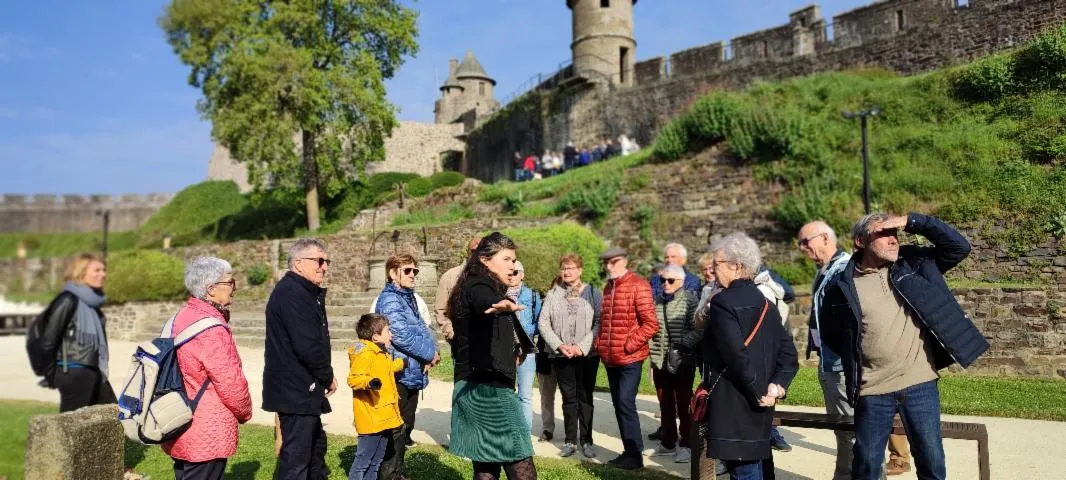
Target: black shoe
x=545 y=436
x=627 y=462
x=777 y=442
x=410 y=443
x=656 y=435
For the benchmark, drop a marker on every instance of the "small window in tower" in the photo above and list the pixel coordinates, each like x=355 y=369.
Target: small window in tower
x=481 y=88
x=605 y=3
x=900 y=21
x=623 y=64
x=764 y=48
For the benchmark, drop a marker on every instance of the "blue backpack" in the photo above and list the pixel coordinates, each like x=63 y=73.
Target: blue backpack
x=153 y=406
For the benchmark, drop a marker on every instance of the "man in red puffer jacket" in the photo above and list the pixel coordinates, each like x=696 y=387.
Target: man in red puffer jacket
x=627 y=322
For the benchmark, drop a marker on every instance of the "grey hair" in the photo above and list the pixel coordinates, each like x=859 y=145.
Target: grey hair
x=683 y=250
x=301 y=246
x=860 y=232
x=202 y=272
x=820 y=227
x=672 y=271
x=739 y=247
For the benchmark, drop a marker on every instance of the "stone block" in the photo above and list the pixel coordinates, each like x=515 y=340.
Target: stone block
x=86 y=444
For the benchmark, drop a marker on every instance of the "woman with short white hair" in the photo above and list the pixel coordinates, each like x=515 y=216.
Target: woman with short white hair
x=750 y=361
x=211 y=368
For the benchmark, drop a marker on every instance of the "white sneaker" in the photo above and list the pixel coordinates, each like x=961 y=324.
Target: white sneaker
x=660 y=450
x=684 y=455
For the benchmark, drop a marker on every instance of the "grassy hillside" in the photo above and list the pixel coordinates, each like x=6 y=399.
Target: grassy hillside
x=979 y=142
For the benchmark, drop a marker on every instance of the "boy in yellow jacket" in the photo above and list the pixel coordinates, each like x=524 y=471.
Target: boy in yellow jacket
x=375 y=398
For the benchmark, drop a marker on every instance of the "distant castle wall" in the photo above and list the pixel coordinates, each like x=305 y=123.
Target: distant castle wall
x=905 y=36
x=76 y=213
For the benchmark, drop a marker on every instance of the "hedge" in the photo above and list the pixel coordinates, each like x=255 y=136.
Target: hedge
x=144 y=275
x=539 y=249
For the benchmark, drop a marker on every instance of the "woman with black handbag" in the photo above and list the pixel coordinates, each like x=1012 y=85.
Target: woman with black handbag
x=750 y=360
x=673 y=364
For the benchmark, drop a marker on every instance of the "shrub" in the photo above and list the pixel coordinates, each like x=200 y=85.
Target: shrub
x=419 y=187
x=592 y=202
x=144 y=275
x=539 y=250
x=798 y=272
x=514 y=202
x=258 y=274
x=987 y=79
x=672 y=141
x=446 y=178
x=1042 y=63
x=192 y=211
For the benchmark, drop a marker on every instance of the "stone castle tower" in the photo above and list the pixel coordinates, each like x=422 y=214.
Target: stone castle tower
x=603 y=48
x=467 y=88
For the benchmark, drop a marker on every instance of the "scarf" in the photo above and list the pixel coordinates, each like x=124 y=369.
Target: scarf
x=513 y=292
x=89 y=327
x=223 y=309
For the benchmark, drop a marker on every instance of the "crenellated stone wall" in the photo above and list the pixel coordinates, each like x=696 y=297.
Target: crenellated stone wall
x=76 y=213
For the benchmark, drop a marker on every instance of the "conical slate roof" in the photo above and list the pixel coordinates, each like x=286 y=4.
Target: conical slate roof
x=451 y=82
x=471 y=68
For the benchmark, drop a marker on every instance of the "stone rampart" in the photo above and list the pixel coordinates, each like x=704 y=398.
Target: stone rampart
x=76 y=213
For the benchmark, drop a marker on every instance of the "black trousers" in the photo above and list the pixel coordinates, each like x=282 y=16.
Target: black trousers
x=392 y=466
x=303 y=447
x=210 y=470
x=81 y=387
x=576 y=378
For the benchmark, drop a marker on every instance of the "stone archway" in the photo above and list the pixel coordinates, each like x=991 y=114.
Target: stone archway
x=452 y=160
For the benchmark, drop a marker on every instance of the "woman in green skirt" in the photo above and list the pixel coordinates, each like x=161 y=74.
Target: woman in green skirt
x=487 y=422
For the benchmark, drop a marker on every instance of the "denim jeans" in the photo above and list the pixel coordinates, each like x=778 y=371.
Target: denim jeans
x=526 y=371
x=624 y=381
x=919 y=408
x=368 y=455
x=744 y=469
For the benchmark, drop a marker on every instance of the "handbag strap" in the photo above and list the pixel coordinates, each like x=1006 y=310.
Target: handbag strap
x=747 y=341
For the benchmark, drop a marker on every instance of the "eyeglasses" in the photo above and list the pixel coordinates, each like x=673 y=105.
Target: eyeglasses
x=803 y=243
x=410 y=270
x=321 y=261
x=232 y=283
x=568 y=268
x=716 y=263
x=612 y=261
x=671 y=281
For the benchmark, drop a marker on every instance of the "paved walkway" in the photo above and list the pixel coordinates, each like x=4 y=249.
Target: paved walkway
x=1019 y=448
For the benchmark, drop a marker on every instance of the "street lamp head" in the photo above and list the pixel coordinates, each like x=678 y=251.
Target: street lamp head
x=875 y=111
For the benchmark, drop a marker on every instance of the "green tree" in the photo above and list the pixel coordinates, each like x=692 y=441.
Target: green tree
x=295 y=88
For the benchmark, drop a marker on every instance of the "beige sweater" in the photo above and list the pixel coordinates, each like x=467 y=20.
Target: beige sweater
x=895 y=351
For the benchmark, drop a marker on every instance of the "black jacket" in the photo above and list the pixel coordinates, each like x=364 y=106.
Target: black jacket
x=917 y=277
x=739 y=429
x=484 y=344
x=60 y=331
x=297 y=368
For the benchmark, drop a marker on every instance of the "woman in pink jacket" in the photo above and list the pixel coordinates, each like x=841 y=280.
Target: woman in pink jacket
x=202 y=450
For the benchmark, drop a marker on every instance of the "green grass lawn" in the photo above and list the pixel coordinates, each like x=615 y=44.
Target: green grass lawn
x=960 y=394
x=255 y=455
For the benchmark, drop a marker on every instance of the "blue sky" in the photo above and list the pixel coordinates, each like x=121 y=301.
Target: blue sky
x=92 y=99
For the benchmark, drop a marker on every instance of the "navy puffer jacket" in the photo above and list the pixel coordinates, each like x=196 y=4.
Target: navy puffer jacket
x=917 y=277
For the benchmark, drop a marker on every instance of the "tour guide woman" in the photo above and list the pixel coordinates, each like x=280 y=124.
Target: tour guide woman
x=487 y=422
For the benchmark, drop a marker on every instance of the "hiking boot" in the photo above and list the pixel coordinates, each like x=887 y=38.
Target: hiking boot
x=684 y=455
x=545 y=436
x=897 y=467
x=656 y=435
x=627 y=462
x=660 y=450
x=568 y=450
x=587 y=451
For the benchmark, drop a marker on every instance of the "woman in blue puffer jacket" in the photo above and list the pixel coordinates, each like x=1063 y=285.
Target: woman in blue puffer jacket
x=414 y=343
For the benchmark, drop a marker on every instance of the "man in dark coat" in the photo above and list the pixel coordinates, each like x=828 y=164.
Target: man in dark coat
x=297 y=376
x=895 y=323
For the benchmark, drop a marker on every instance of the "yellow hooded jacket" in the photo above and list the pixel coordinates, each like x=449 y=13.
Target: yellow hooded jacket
x=375 y=410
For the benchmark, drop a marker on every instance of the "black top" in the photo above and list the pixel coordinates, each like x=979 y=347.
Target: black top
x=297 y=367
x=57 y=341
x=484 y=346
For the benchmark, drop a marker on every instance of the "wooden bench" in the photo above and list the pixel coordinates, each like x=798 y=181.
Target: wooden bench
x=15 y=323
x=703 y=467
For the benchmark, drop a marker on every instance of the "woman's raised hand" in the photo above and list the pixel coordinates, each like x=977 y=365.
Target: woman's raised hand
x=504 y=306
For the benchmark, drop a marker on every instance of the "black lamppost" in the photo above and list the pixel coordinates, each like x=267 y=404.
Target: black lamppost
x=107 y=221
x=870 y=112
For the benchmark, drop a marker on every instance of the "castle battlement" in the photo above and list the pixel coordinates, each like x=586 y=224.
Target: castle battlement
x=46 y=212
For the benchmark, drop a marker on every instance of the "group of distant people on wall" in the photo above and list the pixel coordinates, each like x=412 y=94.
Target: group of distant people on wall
x=882 y=321
x=551 y=163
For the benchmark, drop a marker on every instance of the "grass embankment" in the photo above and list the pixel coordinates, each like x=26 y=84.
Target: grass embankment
x=1014 y=397
x=255 y=455
x=983 y=142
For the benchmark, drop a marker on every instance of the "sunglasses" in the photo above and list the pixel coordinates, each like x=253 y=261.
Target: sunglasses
x=410 y=271
x=321 y=261
x=803 y=243
x=671 y=281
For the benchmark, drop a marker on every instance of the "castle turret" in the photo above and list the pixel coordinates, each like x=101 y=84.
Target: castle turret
x=603 y=48
x=467 y=88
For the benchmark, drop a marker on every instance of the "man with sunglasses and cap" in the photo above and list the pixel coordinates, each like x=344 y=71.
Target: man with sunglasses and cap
x=297 y=375
x=895 y=323
x=627 y=322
